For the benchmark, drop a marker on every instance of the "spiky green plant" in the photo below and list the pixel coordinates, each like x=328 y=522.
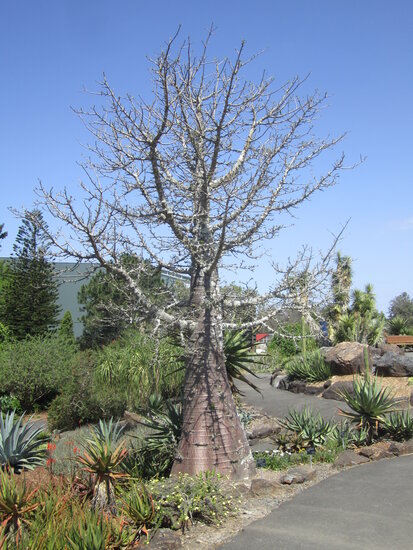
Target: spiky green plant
x=20 y=447
x=312 y=429
x=237 y=350
x=369 y=403
x=399 y=425
x=399 y=325
x=103 y=459
x=16 y=506
x=139 y=507
x=310 y=367
x=91 y=532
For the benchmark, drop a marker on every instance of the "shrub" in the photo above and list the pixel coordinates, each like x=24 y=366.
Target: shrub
x=311 y=427
x=84 y=398
x=182 y=500
x=10 y=403
x=310 y=367
x=288 y=345
x=281 y=460
x=140 y=366
x=35 y=369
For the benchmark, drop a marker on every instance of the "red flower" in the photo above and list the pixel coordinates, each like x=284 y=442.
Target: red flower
x=51 y=447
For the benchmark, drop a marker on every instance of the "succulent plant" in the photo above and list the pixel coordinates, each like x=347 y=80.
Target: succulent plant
x=20 y=447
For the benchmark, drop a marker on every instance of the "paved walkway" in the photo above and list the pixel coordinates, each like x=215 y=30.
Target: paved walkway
x=368 y=507
x=278 y=402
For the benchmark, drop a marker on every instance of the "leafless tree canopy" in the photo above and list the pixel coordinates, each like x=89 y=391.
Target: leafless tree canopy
x=198 y=175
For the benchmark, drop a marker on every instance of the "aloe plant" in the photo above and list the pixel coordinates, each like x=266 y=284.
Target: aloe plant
x=369 y=403
x=399 y=425
x=20 y=447
x=103 y=459
x=311 y=427
x=138 y=505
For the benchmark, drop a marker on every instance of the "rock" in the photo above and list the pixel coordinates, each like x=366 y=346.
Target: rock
x=264 y=427
x=313 y=390
x=274 y=376
x=368 y=452
x=407 y=447
x=165 y=539
x=383 y=348
x=396 y=448
x=298 y=475
x=411 y=398
x=350 y=458
x=262 y=445
x=327 y=384
x=264 y=487
x=383 y=454
x=393 y=364
x=281 y=382
x=131 y=418
x=297 y=386
x=346 y=357
x=333 y=392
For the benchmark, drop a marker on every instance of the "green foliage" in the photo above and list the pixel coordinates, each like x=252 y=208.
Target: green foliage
x=237 y=350
x=35 y=369
x=311 y=427
x=29 y=305
x=84 y=397
x=103 y=457
x=402 y=306
x=362 y=322
x=182 y=500
x=140 y=366
x=138 y=506
x=399 y=425
x=281 y=460
x=369 y=403
x=9 y=403
x=399 y=325
x=156 y=453
x=106 y=297
x=65 y=331
x=17 y=505
x=310 y=367
x=20 y=447
x=289 y=342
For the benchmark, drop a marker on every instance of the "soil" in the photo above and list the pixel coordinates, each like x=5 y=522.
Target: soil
x=398 y=385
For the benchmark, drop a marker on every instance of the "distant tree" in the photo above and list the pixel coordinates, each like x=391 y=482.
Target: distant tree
x=66 y=328
x=3 y=234
x=402 y=306
x=29 y=305
x=109 y=306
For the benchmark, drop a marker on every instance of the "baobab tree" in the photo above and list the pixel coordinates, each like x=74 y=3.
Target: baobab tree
x=193 y=179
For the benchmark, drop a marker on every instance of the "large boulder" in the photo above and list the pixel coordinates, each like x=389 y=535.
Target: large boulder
x=393 y=364
x=334 y=391
x=346 y=357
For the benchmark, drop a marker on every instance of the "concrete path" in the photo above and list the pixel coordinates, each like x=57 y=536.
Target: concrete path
x=278 y=402
x=368 y=507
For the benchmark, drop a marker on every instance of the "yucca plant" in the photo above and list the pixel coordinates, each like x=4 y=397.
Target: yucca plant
x=16 y=506
x=399 y=425
x=237 y=350
x=399 y=325
x=139 y=507
x=369 y=403
x=103 y=459
x=20 y=447
x=312 y=429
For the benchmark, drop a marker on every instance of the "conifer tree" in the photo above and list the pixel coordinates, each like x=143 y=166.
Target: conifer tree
x=29 y=305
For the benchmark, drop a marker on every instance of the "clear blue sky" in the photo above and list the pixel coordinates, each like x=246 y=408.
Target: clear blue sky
x=360 y=52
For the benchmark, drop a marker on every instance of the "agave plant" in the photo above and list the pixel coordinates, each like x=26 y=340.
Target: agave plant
x=237 y=350
x=103 y=459
x=399 y=425
x=16 y=506
x=310 y=367
x=20 y=447
x=369 y=403
x=312 y=429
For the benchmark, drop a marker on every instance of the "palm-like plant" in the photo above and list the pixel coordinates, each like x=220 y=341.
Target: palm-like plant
x=20 y=446
x=237 y=350
x=369 y=403
x=103 y=459
x=16 y=506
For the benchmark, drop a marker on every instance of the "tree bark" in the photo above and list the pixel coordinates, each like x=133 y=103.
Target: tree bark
x=213 y=437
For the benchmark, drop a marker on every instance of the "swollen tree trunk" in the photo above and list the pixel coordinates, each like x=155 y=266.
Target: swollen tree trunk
x=213 y=437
